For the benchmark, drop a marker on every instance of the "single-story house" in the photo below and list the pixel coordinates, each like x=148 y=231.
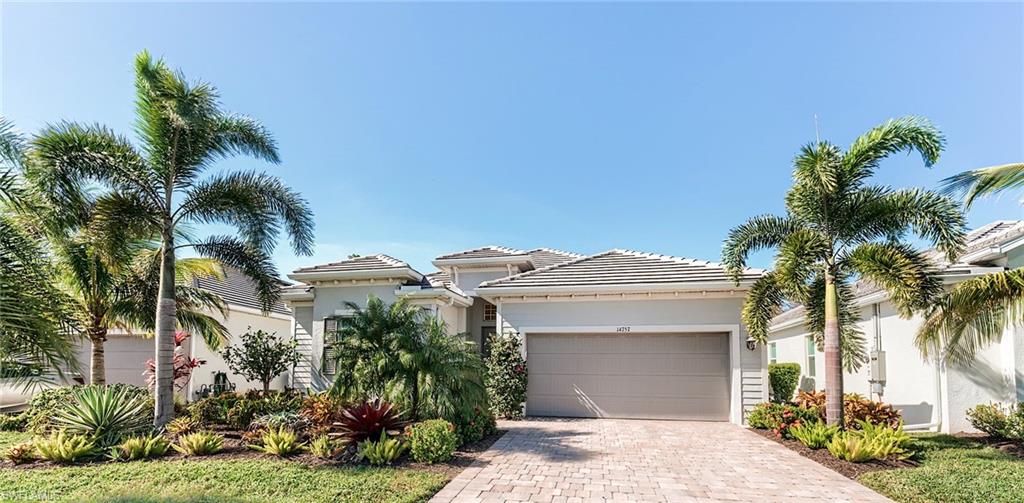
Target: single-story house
x=930 y=396
x=619 y=334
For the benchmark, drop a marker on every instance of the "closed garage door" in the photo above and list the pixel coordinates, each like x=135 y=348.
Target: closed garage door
x=642 y=376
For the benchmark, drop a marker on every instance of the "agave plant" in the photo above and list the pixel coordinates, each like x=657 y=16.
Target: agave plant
x=369 y=420
x=105 y=414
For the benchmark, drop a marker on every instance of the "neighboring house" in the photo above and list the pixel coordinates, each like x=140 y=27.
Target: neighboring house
x=126 y=353
x=616 y=334
x=930 y=396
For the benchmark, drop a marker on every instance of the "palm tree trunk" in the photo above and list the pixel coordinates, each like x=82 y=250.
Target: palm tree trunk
x=165 y=325
x=97 y=364
x=833 y=356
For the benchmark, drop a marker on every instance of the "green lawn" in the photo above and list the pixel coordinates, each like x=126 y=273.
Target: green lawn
x=213 y=480
x=953 y=470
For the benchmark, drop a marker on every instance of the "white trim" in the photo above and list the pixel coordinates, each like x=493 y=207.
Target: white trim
x=389 y=274
x=575 y=297
x=257 y=312
x=483 y=261
x=735 y=365
x=722 y=286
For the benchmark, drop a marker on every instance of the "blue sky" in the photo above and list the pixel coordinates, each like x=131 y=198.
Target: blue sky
x=418 y=129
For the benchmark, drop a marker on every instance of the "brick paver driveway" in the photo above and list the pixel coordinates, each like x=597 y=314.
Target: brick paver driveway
x=577 y=460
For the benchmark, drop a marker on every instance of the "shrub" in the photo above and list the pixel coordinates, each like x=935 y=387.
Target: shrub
x=856 y=408
x=779 y=417
x=322 y=410
x=850 y=448
x=141 y=447
x=13 y=422
x=368 y=420
x=183 y=425
x=432 y=441
x=783 y=379
x=815 y=434
x=383 y=451
x=43 y=407
x=477 y=426
x=261 y=357
x=238 y=410
x=105 y=414
x=871 y=441
x=20 y=453
x=280 y=442
x=61 y=447
x=998 y=420
x=289 y=420
x=325 y=447
x=506 y=376
x=201 y=443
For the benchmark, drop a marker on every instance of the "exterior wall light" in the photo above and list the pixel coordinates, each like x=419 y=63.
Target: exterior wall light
x=751 y=343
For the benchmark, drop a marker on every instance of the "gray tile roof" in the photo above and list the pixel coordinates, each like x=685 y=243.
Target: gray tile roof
x=236 y=288
x=619 y=268
x=378 y=262
x=441 y=279
x=489 y=251
x=544 y=257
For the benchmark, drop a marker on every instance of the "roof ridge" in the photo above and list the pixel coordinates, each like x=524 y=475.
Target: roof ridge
x=684 y=260
x=389 y=260
x=547 y=268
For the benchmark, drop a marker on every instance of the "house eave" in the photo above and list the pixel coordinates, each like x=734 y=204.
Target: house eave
x=398 y=273
x=500 y=291
x=482 y=261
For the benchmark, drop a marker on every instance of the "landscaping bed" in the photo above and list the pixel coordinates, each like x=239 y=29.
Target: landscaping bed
x=845 y=468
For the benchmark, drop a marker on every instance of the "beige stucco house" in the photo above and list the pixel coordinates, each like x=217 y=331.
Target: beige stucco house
x=617 y=334
x=930 y=396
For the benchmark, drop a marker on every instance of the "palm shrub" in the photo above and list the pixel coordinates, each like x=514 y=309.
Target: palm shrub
x=432 y=441
x=103 y=414
x=202 y=443
x=156 y=188
x=141 y=447
x=383 y=451
x=61 y=447
x=506 y=376
x=783 y=379
x=279 y=442
x=839 y=227
x=814 y=434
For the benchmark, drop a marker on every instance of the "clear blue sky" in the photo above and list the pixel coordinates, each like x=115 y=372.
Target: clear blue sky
x=420 y=129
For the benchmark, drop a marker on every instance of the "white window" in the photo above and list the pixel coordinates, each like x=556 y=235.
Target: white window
x=773 y=353
x=812 y=349
x=490 y=312
x=327 y=362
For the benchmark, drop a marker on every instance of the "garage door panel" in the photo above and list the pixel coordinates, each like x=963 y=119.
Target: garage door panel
x=663 y=376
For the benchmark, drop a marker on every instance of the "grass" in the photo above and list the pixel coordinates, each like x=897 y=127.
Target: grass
x=212 y=480
x=953 y=470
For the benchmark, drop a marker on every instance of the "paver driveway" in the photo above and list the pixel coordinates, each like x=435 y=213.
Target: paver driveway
x=577 y=460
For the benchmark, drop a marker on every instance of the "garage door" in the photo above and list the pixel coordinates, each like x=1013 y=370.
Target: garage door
x=642 y=376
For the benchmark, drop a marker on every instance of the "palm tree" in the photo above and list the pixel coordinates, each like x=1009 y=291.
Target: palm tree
x=158 y=188
x=976 y=312
x=838 y=227
x=33 y=321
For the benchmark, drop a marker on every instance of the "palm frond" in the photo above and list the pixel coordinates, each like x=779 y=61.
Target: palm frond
x=798 y=258
x=764 y=301
x=252 y=261
x=818 y=165
x=973 y=315
x=758 y=233
x=906 y=274
x=983 y=182
x=903 y=134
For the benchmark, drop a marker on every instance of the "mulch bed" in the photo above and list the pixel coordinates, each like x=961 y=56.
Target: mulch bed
x=823 y=457
x=234 y=449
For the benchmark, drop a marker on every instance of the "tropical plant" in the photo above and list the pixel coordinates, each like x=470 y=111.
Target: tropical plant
x=383 y=451
x=291 y=420
x=871 y=442
x=997 y=420
x=183 y=365
x=183 y=425
x=476 y=427
x=279 y=442
x=20 y=454
x=780 y=418
x=506 y=376
x=369 y=420
x=850 y=448
x=856 y=408
x=60 y=447
x=103 y=414
x=321 y=410
x=324 y=447
x=814 y=434
x=396 y=352
x=141 y=447
x=13 y=422
x=157 y=189
x=202 y=443
x=41 y=414
x=432 y=441
x=34 y=318
x=839 y=227
x=261 y=357
x=783 y=379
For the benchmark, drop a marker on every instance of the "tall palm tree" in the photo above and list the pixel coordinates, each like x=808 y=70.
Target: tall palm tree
x=976 y=312
x=159 y=187
x=839 y=227
x=33 y=321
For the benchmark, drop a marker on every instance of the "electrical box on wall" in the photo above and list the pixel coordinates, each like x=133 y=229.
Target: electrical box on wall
x=878 y=366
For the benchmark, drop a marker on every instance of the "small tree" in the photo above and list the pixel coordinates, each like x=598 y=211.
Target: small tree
x=506 y=376
x=783 y=378
x=261 y=357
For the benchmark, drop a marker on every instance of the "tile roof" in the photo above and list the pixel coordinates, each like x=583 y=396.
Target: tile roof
x=236 y=288
x=544 y=257
x=620 y=268
x=378 y=262
x=489 y=251
x=441 y=279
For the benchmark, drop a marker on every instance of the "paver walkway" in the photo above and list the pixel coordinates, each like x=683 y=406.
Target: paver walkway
x=578 y=460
